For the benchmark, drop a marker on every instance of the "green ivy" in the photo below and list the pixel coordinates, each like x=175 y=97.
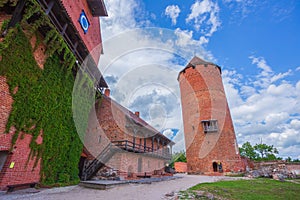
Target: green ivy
x=43 y=101
x=9 y=2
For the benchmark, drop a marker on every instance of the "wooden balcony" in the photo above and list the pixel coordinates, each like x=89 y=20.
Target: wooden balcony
x=129 y=146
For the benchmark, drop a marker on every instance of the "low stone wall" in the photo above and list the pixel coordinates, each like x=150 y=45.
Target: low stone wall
x=275 y=169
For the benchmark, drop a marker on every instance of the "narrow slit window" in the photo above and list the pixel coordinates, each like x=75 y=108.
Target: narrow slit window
x=210 y=125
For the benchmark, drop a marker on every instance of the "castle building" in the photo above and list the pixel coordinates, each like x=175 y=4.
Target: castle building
x=210 y=140
x=119 y=140
x=77 y=22
x=40 y=144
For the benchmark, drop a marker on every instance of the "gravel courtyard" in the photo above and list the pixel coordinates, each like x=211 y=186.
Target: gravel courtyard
x=155 y=190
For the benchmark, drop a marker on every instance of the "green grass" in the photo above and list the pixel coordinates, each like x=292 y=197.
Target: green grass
x=262 y=189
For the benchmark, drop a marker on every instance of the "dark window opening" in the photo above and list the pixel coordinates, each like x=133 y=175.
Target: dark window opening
x=210 y=125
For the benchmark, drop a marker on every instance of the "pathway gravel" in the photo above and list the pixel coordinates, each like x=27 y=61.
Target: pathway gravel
x=153 y=191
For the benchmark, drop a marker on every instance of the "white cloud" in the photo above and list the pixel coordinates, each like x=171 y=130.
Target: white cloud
x=298 y=68
x=242 y=8
x=295 y=124
x=117 y=21
x=172 y=11
x=185 y=37
x=276 y=118
x=266 y=76
x=281 y=76
x=140 y=61
x=205 y=16
x=261 y=63
x=264 y=108
x=185 y=41
x=168 y=133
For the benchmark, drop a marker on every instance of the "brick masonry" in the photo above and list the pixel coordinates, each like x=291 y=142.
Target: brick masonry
x=203 y=98
x=17 y=168
x=180 y=167
x=92 y=38
x=109 y=122
x=21 y=172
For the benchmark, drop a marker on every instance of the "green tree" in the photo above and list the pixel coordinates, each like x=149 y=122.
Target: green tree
x=266 y=152
x=259 y=151
x=288 y=159
x=178 y=157
x=248 y=151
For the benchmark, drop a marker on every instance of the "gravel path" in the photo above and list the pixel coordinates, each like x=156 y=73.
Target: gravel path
x=153 y=191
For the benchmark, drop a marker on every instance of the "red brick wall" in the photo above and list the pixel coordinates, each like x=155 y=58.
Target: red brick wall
x=127 y=162
x=109 y=121
x=180 y=167
x=93 y=37
x=20 y=173
x=203 y=98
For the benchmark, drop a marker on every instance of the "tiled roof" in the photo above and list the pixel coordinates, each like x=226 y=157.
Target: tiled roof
x=197 y=61
x=133 y=118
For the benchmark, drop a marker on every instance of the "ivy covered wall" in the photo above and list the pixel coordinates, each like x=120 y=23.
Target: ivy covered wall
x=43 y=101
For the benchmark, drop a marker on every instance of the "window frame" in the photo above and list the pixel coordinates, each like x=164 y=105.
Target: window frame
x=210 y=126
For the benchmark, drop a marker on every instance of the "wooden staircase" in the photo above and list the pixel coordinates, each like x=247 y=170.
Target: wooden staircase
x=98 y=162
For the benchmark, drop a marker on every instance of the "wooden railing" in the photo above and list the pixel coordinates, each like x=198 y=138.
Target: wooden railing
x=139 y=148
x=114 y=147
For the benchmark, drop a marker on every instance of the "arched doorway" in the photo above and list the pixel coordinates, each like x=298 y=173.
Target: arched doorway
x=215 y=166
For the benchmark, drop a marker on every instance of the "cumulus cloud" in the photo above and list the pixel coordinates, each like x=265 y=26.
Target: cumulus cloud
x=265 y=108
x=205 y=13
x=117 y=21
x=184 y=40
x=170 y=133
x=140 y=62
x=266 y=75
x=173 y=12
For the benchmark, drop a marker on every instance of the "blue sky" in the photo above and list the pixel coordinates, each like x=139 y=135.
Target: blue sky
x=256 y=42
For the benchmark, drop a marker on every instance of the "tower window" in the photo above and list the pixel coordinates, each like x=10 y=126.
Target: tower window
x=210 y=125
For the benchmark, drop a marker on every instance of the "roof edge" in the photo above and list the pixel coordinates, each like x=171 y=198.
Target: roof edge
x=197 y=61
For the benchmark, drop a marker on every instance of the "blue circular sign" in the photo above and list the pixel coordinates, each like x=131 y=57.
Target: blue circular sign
x=84 y=22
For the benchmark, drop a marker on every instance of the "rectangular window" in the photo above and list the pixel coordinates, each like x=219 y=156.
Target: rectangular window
x=210 y=125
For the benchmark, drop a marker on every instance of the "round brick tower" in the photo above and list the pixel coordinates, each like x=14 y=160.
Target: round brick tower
x=210 y=140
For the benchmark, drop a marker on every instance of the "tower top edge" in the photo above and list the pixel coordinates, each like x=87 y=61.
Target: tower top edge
x=198 y=61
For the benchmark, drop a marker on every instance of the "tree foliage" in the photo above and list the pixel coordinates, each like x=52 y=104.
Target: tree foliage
x=259 y=151
x=248 y=151
x=265 y=151
x=178 y=157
